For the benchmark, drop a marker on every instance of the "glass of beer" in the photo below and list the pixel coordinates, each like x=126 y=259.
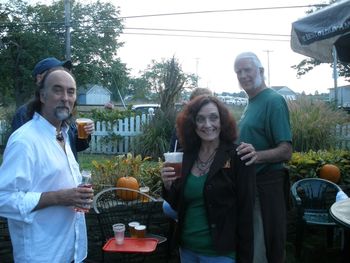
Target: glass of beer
x=140 y=231
x=145 y=190
x=86 y=183
x=81 y=122
x=132 y=226
x=174 y=159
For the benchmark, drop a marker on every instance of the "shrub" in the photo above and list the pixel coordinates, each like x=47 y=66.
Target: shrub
x=156 y=135
x=312 y=123
x=306 y=165
x=108 y=115
x=105 y=173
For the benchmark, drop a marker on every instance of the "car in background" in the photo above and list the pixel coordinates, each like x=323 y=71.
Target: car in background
x=145 y=108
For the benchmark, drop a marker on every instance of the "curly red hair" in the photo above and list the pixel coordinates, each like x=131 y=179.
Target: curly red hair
x=186 y=123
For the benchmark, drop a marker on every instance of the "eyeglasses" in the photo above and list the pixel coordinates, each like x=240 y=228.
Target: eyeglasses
x=200 y=119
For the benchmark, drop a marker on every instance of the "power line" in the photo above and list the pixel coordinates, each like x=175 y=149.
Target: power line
x=227 y=10
x=206 y=36
x=204 y=31
x=168 y=14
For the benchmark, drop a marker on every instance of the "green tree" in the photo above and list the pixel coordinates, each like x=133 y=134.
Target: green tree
x=31 y=33
x=167 y=80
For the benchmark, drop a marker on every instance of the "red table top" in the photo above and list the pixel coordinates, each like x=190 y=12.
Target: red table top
x=131 y=245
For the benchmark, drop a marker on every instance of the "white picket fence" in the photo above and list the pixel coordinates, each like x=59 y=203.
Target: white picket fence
x=122 y=135
x=109 y=138
x=119 y=137
x=342 y=132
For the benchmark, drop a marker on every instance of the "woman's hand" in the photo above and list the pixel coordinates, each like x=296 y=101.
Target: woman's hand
x=247 y=152
x=168 y=175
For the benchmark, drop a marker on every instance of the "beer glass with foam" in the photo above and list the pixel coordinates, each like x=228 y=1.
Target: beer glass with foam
x=81 y=122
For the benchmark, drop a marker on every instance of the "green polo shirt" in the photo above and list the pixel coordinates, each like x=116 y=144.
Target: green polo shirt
x=265 y=124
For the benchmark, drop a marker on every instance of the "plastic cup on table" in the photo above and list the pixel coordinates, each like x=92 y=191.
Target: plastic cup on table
x=145 y=190
x=132 y=226
x=119 y=233
x=140 y=231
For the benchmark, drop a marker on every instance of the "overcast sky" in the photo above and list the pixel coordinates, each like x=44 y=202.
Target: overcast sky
x=212 y=56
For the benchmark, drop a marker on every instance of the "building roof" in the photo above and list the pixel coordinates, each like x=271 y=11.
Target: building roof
x=89 y=87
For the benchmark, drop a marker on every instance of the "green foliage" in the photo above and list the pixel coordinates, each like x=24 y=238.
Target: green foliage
x=33 y=32
x=312 y=123
x=156 y=135
x=305 y=165
x=167 y=80
x=6 y=114
x=106 y=172
x=108 y=115
x=139 y=89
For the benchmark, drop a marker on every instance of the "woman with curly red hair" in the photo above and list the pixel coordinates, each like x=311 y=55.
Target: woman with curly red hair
x=214 y=197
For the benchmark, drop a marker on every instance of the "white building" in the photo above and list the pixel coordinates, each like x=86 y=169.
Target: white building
x=343 y=96
x=93 y=95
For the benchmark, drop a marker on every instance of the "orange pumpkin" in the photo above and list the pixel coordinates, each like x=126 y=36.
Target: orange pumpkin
x=330 y=172
x=127 y=182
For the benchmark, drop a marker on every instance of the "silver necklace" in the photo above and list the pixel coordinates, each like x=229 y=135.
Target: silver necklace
x=203 y=166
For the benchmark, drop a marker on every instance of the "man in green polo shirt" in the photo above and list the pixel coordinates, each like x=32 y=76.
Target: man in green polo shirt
x=265 y=124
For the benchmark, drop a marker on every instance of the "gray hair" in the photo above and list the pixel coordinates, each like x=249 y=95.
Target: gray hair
x=251 y=56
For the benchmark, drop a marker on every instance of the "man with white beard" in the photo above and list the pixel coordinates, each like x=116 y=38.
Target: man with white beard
x=265 y=124
x=39 y=179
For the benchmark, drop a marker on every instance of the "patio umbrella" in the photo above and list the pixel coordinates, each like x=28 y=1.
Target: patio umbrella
x=316 y=34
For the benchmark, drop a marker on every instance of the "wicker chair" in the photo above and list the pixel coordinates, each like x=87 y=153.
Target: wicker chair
x=313 y=197
x=5 y=242
x=112 y=207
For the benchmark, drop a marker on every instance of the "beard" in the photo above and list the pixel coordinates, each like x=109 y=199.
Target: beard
x=258 y=81
x=62 y=113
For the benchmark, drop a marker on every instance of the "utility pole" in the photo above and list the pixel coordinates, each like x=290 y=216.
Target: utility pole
x=197 y=63
x=335 y=78
x=268 y=66
x=67 y=20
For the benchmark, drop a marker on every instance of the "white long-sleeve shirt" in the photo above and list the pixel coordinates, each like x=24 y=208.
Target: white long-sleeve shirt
x=34 y=163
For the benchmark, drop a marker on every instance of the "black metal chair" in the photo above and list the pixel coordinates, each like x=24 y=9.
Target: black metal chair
x=313 y=197
x=111 y=208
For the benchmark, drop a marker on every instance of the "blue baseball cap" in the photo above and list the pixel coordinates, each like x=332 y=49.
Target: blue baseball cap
x=49 y=63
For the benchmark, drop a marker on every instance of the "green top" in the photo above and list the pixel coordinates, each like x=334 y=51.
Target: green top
x=196 y=233
x=265 y=124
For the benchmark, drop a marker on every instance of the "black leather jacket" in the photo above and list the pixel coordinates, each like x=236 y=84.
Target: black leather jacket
x=229 y=194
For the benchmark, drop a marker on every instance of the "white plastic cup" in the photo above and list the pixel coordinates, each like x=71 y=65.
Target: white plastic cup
x=86 y=183
x=174 y=159
x=341 y=196
x=119 y=232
